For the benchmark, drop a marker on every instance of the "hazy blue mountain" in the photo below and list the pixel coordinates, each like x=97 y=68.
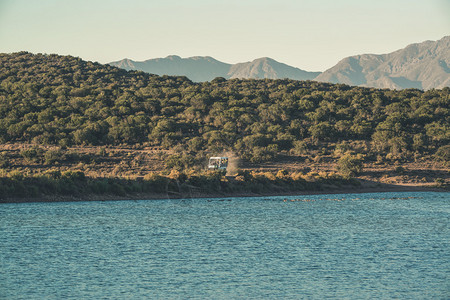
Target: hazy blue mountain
x=266 y=67
x=205 y=68
x=423 y=66
x=197 y=68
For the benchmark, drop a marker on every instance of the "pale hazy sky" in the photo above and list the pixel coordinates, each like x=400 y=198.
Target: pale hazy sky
x=309 y=34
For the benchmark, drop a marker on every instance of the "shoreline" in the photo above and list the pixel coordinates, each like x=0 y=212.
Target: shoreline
x=161 y=196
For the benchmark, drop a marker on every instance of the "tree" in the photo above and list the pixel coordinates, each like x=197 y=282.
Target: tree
x=350 y=165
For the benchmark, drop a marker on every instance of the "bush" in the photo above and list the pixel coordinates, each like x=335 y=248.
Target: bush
x=52 y=156
x=3 y=161
x=399 y=170
x=261 y=154
x=350 y=165
x=74 y=175
x=443 y=153
x=33 y=154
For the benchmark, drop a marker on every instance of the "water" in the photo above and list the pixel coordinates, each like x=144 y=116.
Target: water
x=381 y=245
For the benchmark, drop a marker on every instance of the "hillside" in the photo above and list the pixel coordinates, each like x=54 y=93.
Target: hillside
x=422 y=66
x=62 y=118
x=53 y=109
x=55 y=99
x=206 y=68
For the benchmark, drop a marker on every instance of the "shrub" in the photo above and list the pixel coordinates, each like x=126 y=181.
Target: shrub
x=439 y=182
x=350 y=165
x=74 y=175
x=33 y=154
x=399 y=170
x=443 y=153
x=52 y=156
x=3 y=161
x=16 y=175
x=282 y=174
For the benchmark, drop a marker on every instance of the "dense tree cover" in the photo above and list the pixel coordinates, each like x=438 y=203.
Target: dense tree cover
x=63 y=100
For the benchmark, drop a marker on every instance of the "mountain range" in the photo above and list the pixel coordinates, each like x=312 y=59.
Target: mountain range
x=206 y=68
x=423 y=65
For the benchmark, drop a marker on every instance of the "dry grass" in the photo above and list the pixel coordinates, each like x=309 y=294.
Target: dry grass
x=134 y=162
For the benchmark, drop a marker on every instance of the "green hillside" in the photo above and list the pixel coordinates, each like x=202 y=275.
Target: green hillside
x=63 y=100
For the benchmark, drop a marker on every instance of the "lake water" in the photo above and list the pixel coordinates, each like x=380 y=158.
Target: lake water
x=380 y=245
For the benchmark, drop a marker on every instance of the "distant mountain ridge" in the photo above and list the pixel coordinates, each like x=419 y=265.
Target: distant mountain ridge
x=206 y=68
x=423 y=65
x=197 y=68
x=266 y=67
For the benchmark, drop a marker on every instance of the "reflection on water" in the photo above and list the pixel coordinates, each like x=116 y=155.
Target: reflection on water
x=380 y=245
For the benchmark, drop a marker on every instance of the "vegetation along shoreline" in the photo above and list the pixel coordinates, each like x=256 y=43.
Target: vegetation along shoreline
x=75 y=187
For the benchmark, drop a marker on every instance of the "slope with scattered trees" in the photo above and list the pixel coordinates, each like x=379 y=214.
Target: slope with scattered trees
x=63 y=101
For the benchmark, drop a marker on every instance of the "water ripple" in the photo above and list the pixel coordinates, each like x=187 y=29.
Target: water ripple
x=386 y=245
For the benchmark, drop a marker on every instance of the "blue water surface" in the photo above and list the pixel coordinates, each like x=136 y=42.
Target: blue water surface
x=354 y=246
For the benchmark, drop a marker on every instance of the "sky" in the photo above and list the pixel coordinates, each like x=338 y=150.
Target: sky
x=312 y=35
